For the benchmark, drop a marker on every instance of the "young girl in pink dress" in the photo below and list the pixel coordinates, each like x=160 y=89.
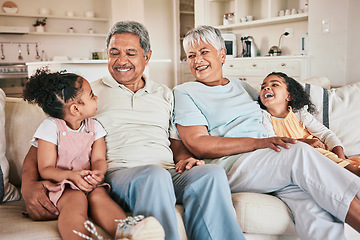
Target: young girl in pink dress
x=72 y=153
x=288 y=114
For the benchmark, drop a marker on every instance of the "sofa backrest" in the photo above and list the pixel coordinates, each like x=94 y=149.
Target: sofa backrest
x=21 y=122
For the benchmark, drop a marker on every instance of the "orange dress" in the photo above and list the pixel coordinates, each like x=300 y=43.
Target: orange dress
x=290 y=126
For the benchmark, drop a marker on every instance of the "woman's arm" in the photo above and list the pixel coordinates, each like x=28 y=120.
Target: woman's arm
x=38 y=205
x=202 y=145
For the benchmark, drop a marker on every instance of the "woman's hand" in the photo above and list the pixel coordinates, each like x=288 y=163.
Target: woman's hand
x=38 y=205
x=187 y=164
x=78 y=178
x=275 y=142
x=315 y=143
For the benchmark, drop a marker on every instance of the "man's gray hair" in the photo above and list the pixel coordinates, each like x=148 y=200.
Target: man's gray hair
x=206 y=34
x=131 y=27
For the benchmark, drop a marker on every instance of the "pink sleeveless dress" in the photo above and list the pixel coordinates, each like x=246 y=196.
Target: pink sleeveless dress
x=74 y=152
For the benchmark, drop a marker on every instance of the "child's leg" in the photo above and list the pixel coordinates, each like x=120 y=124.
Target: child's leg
x=73 y=213
x=104 y=210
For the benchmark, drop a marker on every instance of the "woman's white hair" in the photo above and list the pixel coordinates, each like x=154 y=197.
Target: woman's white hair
x=206 y=34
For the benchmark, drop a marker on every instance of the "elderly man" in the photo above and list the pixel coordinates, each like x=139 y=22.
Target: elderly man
x=142 y=147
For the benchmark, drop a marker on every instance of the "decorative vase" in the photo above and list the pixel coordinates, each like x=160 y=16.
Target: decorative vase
x=39 y=28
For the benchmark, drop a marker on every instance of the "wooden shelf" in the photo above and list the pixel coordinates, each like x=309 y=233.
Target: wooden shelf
x=54 y=17
x=267 y=21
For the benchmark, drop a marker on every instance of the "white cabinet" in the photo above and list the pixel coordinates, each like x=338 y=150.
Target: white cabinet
x=261 y=12
x=254 y=70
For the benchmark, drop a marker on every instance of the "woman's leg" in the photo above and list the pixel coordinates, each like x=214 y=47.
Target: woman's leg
x=332 y=187
x=311 y=221
x=146 y=190
x=104 y=210
x=73 y=208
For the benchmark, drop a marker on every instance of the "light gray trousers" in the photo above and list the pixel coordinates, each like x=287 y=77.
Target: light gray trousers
x=317 y=190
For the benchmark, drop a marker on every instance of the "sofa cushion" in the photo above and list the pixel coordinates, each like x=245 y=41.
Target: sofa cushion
x=338 y=110
x=7 y=191
x=22 y=120
x=343 y=115
x=263 y=214
x=14 y=226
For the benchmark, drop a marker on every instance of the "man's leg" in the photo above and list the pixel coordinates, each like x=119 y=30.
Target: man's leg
x=146 y=190
x=205 y=194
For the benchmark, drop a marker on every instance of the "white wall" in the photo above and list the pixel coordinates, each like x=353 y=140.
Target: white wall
x=335 y=54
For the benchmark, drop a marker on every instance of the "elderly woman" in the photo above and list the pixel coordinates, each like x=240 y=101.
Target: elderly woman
x=219 y=121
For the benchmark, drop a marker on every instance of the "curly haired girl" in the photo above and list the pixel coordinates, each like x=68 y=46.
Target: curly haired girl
x=288 y=114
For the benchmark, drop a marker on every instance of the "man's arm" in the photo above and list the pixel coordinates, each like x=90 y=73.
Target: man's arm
x=38 y=205
x=183 y=159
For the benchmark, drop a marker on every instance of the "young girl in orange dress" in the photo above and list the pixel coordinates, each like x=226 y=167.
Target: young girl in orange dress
x=288 y=114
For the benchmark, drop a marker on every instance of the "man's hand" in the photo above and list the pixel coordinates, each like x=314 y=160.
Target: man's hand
x=38 y=205
x=187 y=164
x=275 y=142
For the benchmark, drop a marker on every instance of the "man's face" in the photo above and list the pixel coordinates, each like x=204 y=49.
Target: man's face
x=126 y=61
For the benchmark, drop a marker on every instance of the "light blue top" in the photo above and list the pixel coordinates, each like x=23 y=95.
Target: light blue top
x=226 y=111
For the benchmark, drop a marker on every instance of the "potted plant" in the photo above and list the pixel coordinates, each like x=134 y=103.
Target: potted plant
x=39 y=25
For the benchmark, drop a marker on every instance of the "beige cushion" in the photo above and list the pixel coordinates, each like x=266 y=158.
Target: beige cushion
x=344 y=113
x=7 y=191
x=263 y=214
x=22 y=120
x=14 y=226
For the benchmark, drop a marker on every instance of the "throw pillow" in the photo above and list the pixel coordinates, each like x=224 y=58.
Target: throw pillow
x=338 y=110
x=7 y=191
x=343 y=115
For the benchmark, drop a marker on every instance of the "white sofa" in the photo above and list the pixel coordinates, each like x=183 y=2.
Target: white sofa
x=260 y=216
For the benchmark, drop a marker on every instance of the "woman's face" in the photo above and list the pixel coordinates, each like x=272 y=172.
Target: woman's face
x=206 y=63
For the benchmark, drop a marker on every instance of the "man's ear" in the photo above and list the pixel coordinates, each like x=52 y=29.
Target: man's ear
x=148 y=56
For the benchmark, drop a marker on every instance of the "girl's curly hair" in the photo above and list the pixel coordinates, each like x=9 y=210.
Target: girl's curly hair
x=299 y=98
x=51 y=91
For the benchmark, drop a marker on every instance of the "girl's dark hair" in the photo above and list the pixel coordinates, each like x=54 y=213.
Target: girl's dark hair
x=299 y=98
x=51 y=91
